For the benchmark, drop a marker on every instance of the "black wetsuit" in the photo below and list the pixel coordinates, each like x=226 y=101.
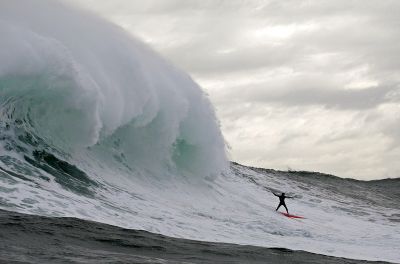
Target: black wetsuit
x=282 y=201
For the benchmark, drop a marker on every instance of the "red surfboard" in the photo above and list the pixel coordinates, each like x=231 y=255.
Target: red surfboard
x=292 y=216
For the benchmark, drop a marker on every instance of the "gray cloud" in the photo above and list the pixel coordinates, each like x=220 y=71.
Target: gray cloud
x=331 y=98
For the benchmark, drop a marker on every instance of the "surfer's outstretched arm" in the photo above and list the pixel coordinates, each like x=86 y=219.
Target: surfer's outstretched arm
x=275 y=194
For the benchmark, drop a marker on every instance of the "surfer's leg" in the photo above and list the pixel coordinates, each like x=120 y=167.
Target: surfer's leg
x=286 y=208
x=278 y=207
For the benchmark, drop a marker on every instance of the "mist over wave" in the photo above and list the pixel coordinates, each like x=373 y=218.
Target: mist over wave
x=95 y=125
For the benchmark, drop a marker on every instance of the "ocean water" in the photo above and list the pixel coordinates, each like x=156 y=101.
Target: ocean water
x=38 y=239
x=95 y=125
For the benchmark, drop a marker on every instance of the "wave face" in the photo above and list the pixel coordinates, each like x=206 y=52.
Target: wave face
x=95 y=125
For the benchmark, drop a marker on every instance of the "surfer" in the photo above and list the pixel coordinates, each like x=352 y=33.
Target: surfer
x=282 y=201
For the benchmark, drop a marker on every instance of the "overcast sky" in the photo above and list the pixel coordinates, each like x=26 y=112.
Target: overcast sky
x=306 y=85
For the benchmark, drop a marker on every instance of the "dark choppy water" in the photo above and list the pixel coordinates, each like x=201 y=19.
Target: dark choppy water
x=36 y=239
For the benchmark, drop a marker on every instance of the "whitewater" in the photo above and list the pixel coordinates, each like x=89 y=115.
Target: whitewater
x=95 y=125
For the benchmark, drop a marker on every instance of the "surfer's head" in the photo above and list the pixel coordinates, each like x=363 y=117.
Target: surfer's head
x=283 y=194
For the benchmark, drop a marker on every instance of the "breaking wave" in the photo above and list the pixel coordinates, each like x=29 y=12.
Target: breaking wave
x=80 y=84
